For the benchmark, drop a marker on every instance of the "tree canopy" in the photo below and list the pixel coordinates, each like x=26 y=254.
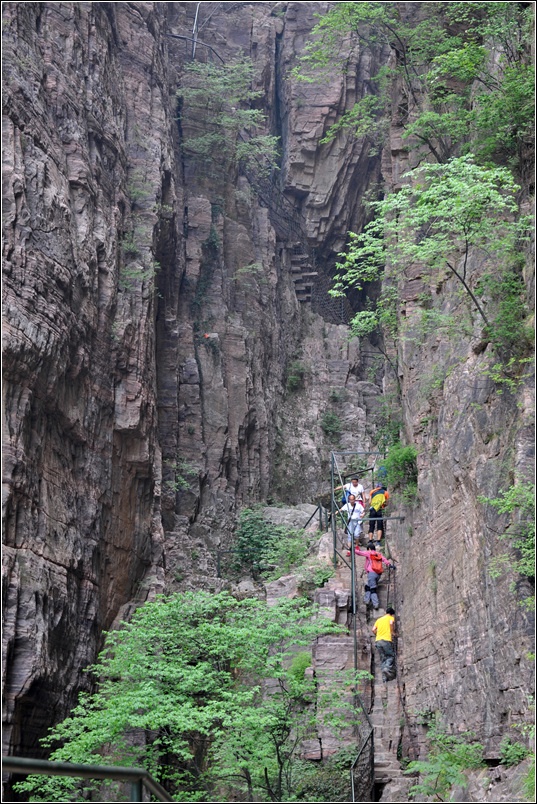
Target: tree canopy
x=203 y=691
x=464 y=74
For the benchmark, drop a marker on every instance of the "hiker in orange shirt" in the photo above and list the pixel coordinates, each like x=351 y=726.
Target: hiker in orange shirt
x=373 y=567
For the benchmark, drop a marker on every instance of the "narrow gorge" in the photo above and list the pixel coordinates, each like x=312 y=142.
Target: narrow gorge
x=172 y=354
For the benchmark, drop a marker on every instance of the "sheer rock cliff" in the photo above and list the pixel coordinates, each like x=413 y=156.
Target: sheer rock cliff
x=153 y=321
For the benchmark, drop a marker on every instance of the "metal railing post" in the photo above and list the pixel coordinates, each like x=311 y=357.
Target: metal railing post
x=333 y=508
x=354 y=605
x=137 y=793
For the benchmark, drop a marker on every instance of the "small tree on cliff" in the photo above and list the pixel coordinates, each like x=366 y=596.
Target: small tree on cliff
x=220 y=120
x=434 y=223
x=201 y=690
x=448 y=757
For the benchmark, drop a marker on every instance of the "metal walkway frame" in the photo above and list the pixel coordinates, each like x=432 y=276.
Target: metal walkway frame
x=138 y=777
x=362 y=771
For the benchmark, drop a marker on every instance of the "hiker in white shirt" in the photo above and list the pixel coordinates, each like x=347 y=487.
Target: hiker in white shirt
x=353 y=487
x=354 y=511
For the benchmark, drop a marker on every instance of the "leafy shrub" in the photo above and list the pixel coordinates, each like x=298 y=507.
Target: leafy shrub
x=299 y=664
x=337 y=395
x=331 y=425
x=512 y=753
x=401 y=466
x=328 y=780
x=265 y=549
x=295 y=376
x=519 y=501
x=448 y=757
x=313 y=575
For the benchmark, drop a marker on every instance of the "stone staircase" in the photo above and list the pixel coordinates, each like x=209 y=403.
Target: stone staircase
x=385 y=715
x=386 y=708
x=335 y=653
x=303 y=273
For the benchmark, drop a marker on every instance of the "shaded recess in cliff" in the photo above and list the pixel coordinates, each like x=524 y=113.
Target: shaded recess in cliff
x=80 y=446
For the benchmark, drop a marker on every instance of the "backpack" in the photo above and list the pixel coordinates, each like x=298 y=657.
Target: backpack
x=376 y=562
x=379 y=498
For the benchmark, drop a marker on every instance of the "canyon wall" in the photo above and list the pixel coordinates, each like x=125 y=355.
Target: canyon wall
x=153 y=322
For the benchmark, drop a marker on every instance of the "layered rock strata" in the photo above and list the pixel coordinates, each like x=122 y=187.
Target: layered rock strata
x=160 y=371
x=145 y=367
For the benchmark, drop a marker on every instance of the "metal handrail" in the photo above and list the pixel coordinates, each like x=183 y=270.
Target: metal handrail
x=138 y=777
x=369 y=737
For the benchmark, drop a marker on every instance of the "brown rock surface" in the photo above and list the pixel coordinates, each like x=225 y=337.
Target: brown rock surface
x=130 y=438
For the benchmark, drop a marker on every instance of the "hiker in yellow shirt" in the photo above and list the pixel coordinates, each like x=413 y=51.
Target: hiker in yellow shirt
x=378 y=500
x=384 y=630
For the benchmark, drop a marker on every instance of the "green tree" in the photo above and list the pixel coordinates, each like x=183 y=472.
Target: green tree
x=222 y=126
x=456 y=93
x=201 y=690
x=435 y=221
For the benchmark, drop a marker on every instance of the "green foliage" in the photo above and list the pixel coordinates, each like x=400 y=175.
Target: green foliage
x=459 y=95
x=388 y=422
x=519 y=502
x=512 y=753
x=313 y=574
x=528 y=783
x=254 y=271
x=509 y=375
x=299 y=665
x=326 y=781
x=367 y=118
x=217 y=101
x=337 y=395
x=296 y=373
x=508 y=330
x=331 y=426
x=183 y=475
x=448 y=757
x=136 y=265
x=267 y=549
x=457 y=207
x=180 y=693
x=400 y=463
x=129 y=245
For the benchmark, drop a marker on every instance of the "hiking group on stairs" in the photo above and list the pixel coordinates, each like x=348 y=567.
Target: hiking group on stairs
x=353 y=508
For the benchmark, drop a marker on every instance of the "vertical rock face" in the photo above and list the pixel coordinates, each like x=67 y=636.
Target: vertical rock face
x=86 y=119
x=160 y=370
x=466 y=638
x=145 y=364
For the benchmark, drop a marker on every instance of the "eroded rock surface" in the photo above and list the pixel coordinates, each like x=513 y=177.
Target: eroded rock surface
x=152 y=328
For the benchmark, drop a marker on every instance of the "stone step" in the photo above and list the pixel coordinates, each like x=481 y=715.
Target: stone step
x=384 y=778
x=387 y=774
x=383 y=759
